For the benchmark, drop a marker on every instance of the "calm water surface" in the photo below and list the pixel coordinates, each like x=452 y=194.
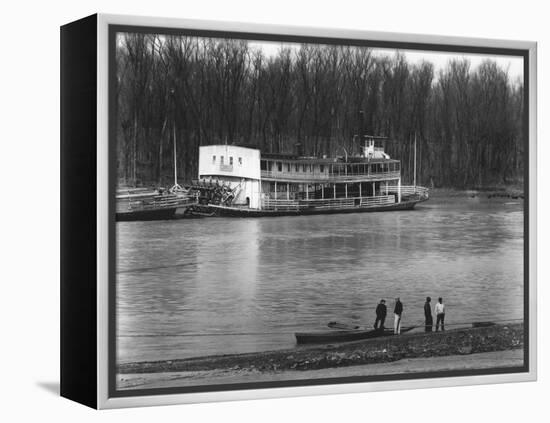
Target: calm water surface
x=221 y=285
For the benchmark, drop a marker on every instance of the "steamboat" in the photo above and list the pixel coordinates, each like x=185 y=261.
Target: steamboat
x=242 y=182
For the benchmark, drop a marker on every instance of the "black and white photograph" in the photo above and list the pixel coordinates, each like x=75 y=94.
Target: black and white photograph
x=297 y=210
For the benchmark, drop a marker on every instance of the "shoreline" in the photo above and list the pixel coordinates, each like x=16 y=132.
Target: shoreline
x=331 y=358
x=512 y=191
x=478 y=361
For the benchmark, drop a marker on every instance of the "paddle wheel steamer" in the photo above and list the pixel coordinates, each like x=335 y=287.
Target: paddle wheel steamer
x=240 y=181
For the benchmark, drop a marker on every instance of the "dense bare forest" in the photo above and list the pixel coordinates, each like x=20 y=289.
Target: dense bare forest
x=200 y=91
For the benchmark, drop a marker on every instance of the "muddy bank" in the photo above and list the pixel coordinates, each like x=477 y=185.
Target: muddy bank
x=480 y=361
x=452 y=342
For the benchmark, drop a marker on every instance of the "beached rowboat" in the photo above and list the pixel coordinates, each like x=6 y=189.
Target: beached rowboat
x=343 y=335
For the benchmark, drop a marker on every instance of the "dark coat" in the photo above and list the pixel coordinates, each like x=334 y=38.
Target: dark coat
x=427 y=310
x=381 y=310
x=398 y=308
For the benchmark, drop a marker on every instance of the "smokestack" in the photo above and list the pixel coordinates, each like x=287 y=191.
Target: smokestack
x=299 y=150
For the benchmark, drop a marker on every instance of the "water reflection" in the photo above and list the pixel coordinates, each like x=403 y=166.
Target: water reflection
x=240 y=285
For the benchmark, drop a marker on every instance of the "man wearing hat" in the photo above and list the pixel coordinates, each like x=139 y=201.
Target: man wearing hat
x=428 y=315
x=398 y=312
x=381 y=312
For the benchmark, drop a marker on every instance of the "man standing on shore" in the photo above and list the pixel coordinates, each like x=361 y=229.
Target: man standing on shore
x=428 y=315
x=440 y=315
x=397 y=311
x=381 y=312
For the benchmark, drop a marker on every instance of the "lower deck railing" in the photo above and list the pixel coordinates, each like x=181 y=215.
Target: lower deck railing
x=333 y=203
x=392 y=196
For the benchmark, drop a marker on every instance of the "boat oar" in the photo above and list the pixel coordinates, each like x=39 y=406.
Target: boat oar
x=342 y=326
x=347 y=326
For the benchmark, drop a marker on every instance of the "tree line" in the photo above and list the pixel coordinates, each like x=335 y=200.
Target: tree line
x=198 y=91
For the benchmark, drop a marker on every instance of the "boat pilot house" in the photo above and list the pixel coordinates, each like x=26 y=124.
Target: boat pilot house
x=266 y=184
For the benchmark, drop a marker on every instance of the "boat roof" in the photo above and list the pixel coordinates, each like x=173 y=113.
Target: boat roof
x=292 y=158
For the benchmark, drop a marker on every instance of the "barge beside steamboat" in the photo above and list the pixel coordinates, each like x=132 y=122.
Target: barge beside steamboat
x=240 y=181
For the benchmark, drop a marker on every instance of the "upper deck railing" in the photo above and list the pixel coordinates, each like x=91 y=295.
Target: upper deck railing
x=329 y=177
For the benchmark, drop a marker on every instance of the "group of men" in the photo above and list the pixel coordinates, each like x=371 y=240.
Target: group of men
x=381 y=312
x=439 y=311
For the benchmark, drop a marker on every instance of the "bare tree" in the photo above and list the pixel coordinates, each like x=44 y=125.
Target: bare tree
x=468 y=123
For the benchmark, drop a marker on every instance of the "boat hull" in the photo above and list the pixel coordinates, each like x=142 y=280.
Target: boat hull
x=165 y=213
x=225 y=211
x=342 y=335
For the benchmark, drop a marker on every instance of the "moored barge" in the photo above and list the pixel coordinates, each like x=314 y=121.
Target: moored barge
x=145 y=205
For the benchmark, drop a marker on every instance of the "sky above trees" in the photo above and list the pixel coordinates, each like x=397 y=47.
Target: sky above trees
x=440 y=60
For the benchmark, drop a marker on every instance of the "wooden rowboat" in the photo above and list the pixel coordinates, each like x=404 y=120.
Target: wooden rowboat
x=323 y=337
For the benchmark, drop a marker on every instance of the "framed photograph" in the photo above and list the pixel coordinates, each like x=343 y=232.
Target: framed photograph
x=254 y=211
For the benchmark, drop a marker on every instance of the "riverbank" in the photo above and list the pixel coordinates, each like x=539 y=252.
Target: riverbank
x=472 y=348
x=514 y=192
x=479 y=361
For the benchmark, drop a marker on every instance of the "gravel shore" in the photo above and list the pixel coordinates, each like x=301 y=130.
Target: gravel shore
x=480 y=361
x=469 y=348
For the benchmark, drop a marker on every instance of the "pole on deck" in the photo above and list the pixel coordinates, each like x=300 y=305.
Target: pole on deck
x=414 y=160
x=176 y=187
x=175 y=159
x=399 y=190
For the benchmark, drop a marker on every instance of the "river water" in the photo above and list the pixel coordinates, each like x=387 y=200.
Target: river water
x=196 y=287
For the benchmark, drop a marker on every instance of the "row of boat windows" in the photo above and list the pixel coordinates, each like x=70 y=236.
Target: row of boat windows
x=222 y=160
x=338 y=169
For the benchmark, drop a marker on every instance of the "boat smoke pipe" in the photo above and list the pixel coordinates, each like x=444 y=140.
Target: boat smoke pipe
x=299 y=149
